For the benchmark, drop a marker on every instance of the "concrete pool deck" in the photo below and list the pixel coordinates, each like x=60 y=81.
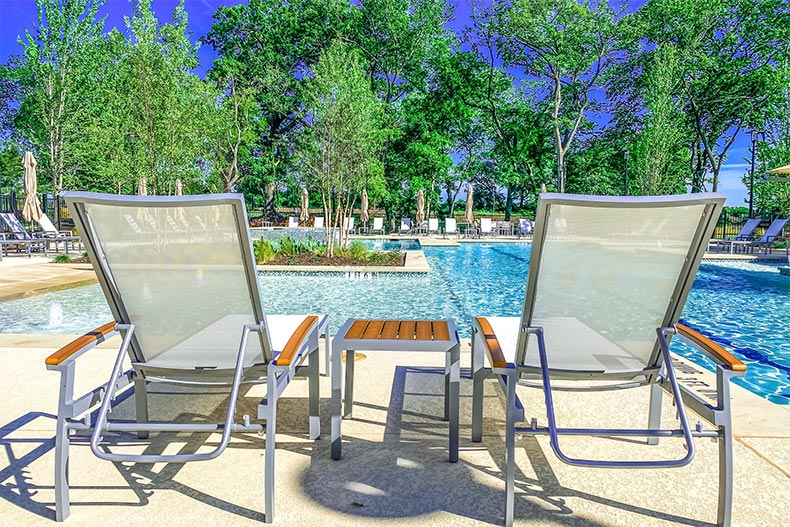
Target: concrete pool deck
x=394 y=469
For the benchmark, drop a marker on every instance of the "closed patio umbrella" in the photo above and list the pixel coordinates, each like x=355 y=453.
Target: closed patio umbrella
x=304 y=215
x=142 y=187
x=32 y=209
x=364 y=216
x=542 y=188
x=469 y=215
x=179 y=188
x=420 y=216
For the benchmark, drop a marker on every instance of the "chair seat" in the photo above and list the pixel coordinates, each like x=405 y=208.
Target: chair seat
x=563 y=336
x=202 y=350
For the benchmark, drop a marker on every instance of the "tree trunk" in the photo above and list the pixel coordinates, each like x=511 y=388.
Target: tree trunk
x=509 y=202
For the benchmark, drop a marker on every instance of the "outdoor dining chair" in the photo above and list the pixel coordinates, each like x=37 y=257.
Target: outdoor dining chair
x=190 y=313
x=599 y=313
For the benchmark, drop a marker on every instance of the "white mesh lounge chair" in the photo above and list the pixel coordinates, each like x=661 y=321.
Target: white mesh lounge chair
x=745 y=234
x=348 y=225
x=293 y=222
x=190 y=312
x=772 y=234
x=433 y=226
x=53 y=235
x=524 y=227
x=14 y=234
x=405 y=226
x=612 y=332
x=318 y=222
x=450 y=227
x=486 y=228
x=378 y=226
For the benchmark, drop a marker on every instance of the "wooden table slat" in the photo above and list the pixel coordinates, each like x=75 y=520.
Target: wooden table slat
x=406 y=330
x=356 y=329
x=440 y=330
x=423 y=330
x=373 y=331
x=390 y=330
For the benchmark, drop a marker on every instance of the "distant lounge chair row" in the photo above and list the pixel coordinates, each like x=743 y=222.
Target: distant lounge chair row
x=744 y=240
x=197 y=318
x=14 y=234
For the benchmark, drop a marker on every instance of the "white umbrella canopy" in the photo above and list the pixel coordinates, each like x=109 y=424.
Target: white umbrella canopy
x=469 y=215
x=179 y=188
x=364 y=216
x=32 y=209
x=304 y=214
x=142 y=187
x=420 y=216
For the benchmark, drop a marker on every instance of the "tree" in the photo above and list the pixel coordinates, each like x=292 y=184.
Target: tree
x=342 y=144
x=567 y=43
x=52 y=76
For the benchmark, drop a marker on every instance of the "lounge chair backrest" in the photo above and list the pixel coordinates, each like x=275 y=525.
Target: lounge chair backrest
x=524 y=226
x=318 y=222
x=433 y=224
x=450 y=225
x=591 y=278
x=748 y=228
x=378 y=224
x=293 y=221
x=405 y=224
x=46 y=225
x=485 y=224
x=349 y=222
x=773 y=231
x=187 y=293
x=12 y=224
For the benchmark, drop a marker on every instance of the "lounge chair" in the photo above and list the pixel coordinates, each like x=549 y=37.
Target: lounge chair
x=293 y=222
x=486 y=228
x=772 y=234
x=598 y=314
x=318 y=222
x=189 y=312
x=53 y=235
x=15 y=235
x=348 y=225
x=378 y=226
x=745 y=234
x=405 y=226
x=524 y=227
x=433 y=226
x=450 y=227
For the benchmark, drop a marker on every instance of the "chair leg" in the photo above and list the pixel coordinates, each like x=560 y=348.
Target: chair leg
x=654 y=420
x=510 y=448
x=271 y=425
x=315 y=419
x=724 y=515
x=348 y=404
x=62 y=504
x=478 y=376
x=141 y=404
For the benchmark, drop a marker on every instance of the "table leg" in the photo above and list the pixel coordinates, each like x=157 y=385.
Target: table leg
x=447 y=365
x=348 y=404
x=336 y=372
x=454 y=396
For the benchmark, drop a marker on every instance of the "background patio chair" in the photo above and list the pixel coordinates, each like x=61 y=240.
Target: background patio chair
x=378 y=225
x=524 y=227
x=745 y=234
x=293 y=222
x=486 y=228
x=14 y=234
x=450 y=227
x=604 y=335
x=433 y=226
x=405 y=226
x=772 y=234
x=190 y=313
x=318 y=222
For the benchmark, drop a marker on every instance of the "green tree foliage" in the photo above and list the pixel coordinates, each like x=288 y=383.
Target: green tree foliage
x=54 y=76
x=341 y=146
x=659 y=155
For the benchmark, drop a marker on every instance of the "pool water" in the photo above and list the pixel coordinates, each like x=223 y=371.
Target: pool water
x=391 y=244
x=744 y=306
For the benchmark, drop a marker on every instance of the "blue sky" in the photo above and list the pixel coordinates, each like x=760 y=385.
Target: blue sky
x=17 y=16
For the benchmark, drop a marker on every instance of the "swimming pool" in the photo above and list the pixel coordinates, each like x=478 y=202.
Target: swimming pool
x=391 y=244
x=744 y=306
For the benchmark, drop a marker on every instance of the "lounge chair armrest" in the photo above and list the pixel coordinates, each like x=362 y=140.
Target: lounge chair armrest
x=711 y=349
x=88 y=340
x=492 y=343
x=294 y=343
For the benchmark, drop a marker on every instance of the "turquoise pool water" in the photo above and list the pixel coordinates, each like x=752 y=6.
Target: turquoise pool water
x=392 y=244
x=746 y=307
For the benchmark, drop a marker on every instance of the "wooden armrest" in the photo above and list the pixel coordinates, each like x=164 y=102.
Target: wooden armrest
x=719 y=354
x=98 y=335
x=497 y=357
x=296 y=340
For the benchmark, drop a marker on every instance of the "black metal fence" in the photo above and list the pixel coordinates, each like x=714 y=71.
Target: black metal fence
x=54 y=207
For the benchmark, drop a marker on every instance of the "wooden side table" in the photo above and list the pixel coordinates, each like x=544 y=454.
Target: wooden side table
x=395 y=335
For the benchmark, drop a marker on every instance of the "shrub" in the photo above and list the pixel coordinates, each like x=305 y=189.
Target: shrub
x=264 y=251
x=358 y=251
x=62 y=258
